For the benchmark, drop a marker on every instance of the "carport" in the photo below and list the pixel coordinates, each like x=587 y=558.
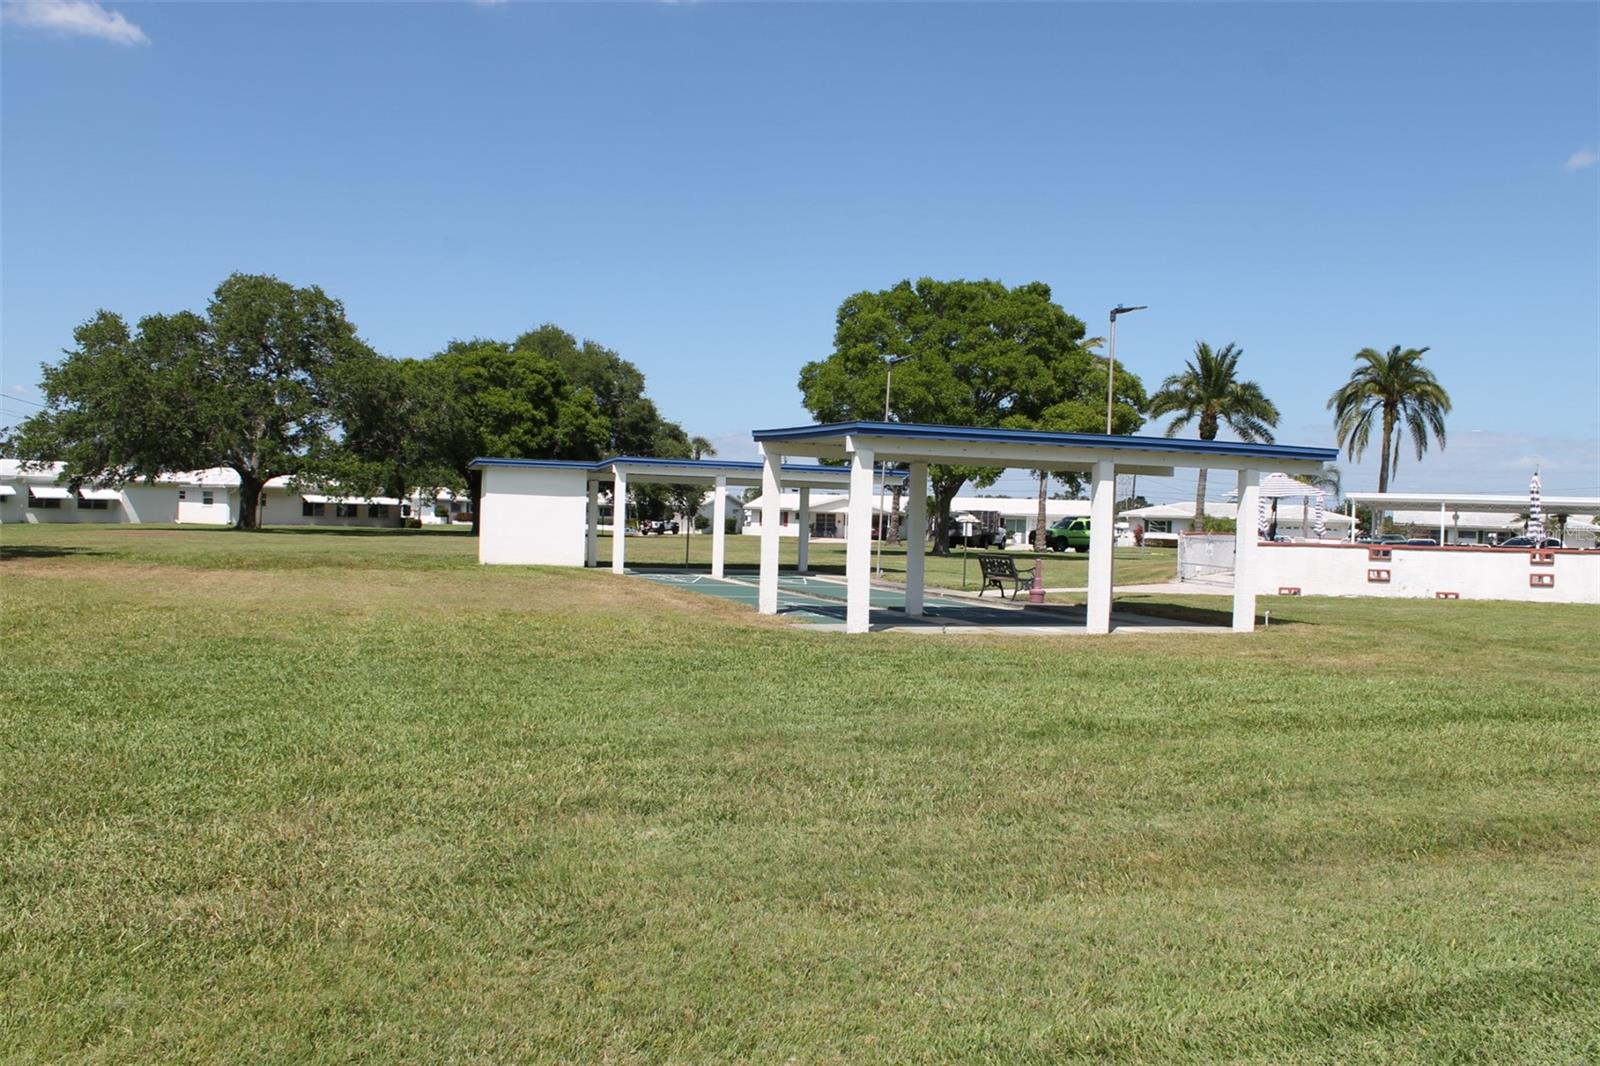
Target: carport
x=1102 y=457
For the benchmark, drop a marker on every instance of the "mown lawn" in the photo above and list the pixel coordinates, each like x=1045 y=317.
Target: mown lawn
x=337 y=796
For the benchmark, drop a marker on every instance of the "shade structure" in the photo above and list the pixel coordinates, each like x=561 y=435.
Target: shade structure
x=99 y=494
x=1535 y=510
x=49 y=492
x=1099 y=457
x=1279 y=486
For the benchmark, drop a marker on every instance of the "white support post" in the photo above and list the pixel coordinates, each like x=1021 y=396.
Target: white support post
x=771 y=515
x=1102 y=544
x=858 y=543
x=1441 y=524
x=719 y=526
x=619 y=520
x=1246 y=536
x=916 y=536
x=591 y=535
x=803 y=562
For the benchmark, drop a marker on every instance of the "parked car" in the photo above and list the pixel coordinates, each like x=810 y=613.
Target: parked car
x=1070 y=533
x=655 y=525
x=1422 y=542
x=1528 y=542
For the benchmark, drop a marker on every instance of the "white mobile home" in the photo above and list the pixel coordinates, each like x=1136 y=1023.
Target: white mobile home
x=32 y=493
x=282 y=505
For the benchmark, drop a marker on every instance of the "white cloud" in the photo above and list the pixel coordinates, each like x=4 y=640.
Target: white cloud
x=74 y=18
x=1582 y=159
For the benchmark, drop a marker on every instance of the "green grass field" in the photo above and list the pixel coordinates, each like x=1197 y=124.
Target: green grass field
x=328 y=796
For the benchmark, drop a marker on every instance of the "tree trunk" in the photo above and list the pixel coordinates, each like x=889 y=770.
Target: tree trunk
x=250 y=487
x=1041 y=533
x=1383 y=467
x=894 y=514
x=944 y=493
x=1208 y=431
x=1388 y=434
x=475 y=490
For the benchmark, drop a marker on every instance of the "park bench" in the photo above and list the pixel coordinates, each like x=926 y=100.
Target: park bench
x=998 y=570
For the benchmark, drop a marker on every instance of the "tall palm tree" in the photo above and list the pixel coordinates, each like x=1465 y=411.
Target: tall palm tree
x=700 y=448
x=1209 y=392
x=1395 y=389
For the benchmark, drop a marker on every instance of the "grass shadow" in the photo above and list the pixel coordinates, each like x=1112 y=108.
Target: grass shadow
x=40 y=551
x=1183 y=612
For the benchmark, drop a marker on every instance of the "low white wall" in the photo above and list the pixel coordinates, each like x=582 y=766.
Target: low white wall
x=1472 y=573
x=533 y=516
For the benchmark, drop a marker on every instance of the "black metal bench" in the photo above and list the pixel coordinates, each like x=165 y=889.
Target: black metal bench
x=999 y=570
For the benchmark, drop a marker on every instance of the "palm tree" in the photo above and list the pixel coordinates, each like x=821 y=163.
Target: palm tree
x=1209 y=391
x=700 y=448
x=1395 y=387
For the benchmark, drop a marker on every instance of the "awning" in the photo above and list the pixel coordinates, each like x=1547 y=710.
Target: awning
x=385 y=500
x=100 y=494
x=48 y=492
x=7 y=490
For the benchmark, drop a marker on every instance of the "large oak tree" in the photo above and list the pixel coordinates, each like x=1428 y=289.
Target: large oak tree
x=258 y=384
x=981 y=354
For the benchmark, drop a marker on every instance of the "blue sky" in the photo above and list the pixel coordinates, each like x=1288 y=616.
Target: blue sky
x=699 y=185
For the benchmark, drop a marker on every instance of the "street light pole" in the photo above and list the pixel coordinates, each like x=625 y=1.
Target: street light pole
x=1111 y=365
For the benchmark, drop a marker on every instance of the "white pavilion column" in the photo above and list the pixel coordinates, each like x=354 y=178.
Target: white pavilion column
x=619 y=520
x=771 y=515
x=803 y=561
x=1102 y=544
x=916 y=536
x=591 y=534
x=858 y=544
x=719 y=526
x=1441 y=523
x=1246 y=536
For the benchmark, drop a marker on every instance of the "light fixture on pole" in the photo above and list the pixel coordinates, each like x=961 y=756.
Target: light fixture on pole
x=889 y=362
x=1111 y=365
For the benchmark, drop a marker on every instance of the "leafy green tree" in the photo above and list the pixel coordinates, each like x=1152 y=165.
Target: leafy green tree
x=1396 y=390
x=1209 y=392
x=259 y=384
x=634 y=426
x=484 y=397
x=981 y=354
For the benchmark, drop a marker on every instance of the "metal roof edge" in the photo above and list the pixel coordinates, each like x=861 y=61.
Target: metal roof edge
x=559 y=464
x=925 y=431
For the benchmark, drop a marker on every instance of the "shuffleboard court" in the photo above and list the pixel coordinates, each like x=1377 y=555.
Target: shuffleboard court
x=820 y=600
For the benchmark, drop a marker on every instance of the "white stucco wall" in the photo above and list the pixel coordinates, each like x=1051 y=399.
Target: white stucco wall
x=1472 y=573
x=533 y=516
x=220 y=512
x=16 y=509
